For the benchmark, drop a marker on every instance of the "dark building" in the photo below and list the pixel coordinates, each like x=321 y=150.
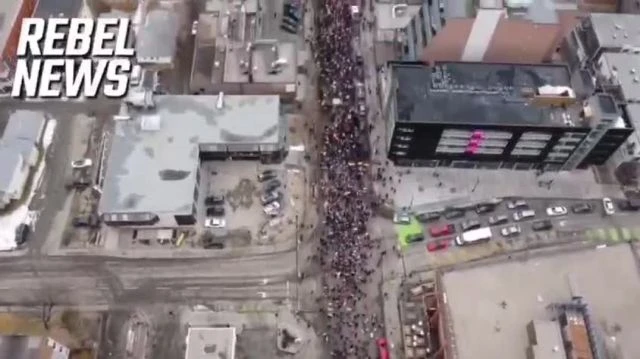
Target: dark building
x=484 y=115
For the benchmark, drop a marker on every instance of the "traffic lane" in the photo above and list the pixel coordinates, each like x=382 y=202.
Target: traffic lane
x=538 y=205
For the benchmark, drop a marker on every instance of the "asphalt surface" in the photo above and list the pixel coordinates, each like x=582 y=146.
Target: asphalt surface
x=104 y=282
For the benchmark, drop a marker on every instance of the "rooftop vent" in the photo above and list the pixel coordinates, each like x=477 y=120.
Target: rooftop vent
x=220 y=102
x=399 y=10
x=150 y=123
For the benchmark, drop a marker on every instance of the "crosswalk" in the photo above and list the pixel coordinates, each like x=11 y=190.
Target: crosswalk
x=613 y=234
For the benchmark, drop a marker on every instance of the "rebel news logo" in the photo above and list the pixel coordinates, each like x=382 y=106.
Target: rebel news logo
x=62 y=57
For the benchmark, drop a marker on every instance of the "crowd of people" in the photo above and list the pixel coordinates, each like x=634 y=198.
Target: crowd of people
x=345 y=247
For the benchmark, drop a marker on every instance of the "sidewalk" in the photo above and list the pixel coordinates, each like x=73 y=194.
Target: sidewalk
x=407 y=187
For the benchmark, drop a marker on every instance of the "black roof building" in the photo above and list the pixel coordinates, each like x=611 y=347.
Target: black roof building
x=493 y=115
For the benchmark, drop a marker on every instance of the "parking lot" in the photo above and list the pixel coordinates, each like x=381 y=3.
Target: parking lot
x=240 y=218
x=439 y=248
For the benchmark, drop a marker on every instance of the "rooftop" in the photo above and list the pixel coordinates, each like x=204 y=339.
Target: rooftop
x=393 y=17
x=616 y=30
x=487 y=330
x=222 y=53
x=627 y=73
x=480 y=93
x=548 y=340
x=157 y=151
x=205 y=343
x=158 y=35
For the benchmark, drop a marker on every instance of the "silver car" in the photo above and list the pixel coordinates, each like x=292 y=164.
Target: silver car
x=510 y=231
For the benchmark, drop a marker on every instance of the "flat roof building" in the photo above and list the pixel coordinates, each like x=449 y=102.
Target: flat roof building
x=545 y=340
x=158 y=151
x=204 y=343
x=232 y=54
x=156 y=41
x=494 y=115
x=603 y=52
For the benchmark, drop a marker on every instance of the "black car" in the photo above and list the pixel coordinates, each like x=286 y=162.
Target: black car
x=470 y=224
x=582 y=208
x=266 y=175
x=454 y=213
x=22 y=233
x=215 y=211
x=428 y=217
x=85 y=221
x=272 y=185
x=485 y=208
x=626 y=205
x=543 y=225
x=214 y=200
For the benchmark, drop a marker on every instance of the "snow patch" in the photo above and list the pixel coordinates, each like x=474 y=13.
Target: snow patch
x=22 y=214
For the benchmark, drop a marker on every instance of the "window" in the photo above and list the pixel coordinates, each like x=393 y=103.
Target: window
x=404 y=138
x=405 y=130
x=401 y=145
x=519 y=152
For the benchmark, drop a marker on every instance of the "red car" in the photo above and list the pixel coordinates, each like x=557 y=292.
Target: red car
x=442 y=230
x=438 y=245
x=383 y=348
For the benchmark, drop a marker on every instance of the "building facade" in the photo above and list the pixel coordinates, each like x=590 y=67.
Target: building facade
x=605 y=59
x=479 y=115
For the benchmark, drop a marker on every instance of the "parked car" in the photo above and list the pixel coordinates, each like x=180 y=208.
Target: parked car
x=215 y=211
x=517 y=204
x=266 y=175
x=626 y=205
x=607 y=203
x=415 y=238
x=215 y=222
x=543 y=225
x=496 y=220
x=438 y=245
x=272 y=185
x=454 y=213
x=556 y=211
x=581 y=208
x=85 y=221
x=272 y=208
x=485 y=208
x=428 y=217
x=442 y=230
x=522 y=215
x=83 y=163
x=269 y=197
x=22 y=233
x=214 y=200
x=510 y=231
x=401 y=218
x=383 y=348
x=470 y=224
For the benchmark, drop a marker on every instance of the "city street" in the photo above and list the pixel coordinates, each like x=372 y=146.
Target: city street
x=108 y=283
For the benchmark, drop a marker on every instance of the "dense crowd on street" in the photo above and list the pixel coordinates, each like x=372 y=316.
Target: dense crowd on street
x=346 y=247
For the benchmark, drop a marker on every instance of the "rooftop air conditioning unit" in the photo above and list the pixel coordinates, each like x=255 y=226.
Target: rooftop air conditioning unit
x=399 y=10
x=220 y=102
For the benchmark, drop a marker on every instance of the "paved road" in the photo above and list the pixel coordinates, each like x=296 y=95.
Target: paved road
x=95 y=281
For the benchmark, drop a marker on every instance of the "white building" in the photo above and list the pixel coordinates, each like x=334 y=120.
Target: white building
x=19 y=150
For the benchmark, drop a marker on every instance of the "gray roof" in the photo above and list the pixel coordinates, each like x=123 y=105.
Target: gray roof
x=627 y=66
x=205 y=343
x=10 y=159
x=158 y=36
x=616 y=30
x=548 y=342
x=477 y=93
x=24 y=124
x=157 y=151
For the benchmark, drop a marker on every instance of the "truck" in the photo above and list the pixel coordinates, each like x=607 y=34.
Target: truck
x=474 y=236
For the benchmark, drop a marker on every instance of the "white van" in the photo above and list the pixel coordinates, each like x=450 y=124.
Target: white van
x=522 y=215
